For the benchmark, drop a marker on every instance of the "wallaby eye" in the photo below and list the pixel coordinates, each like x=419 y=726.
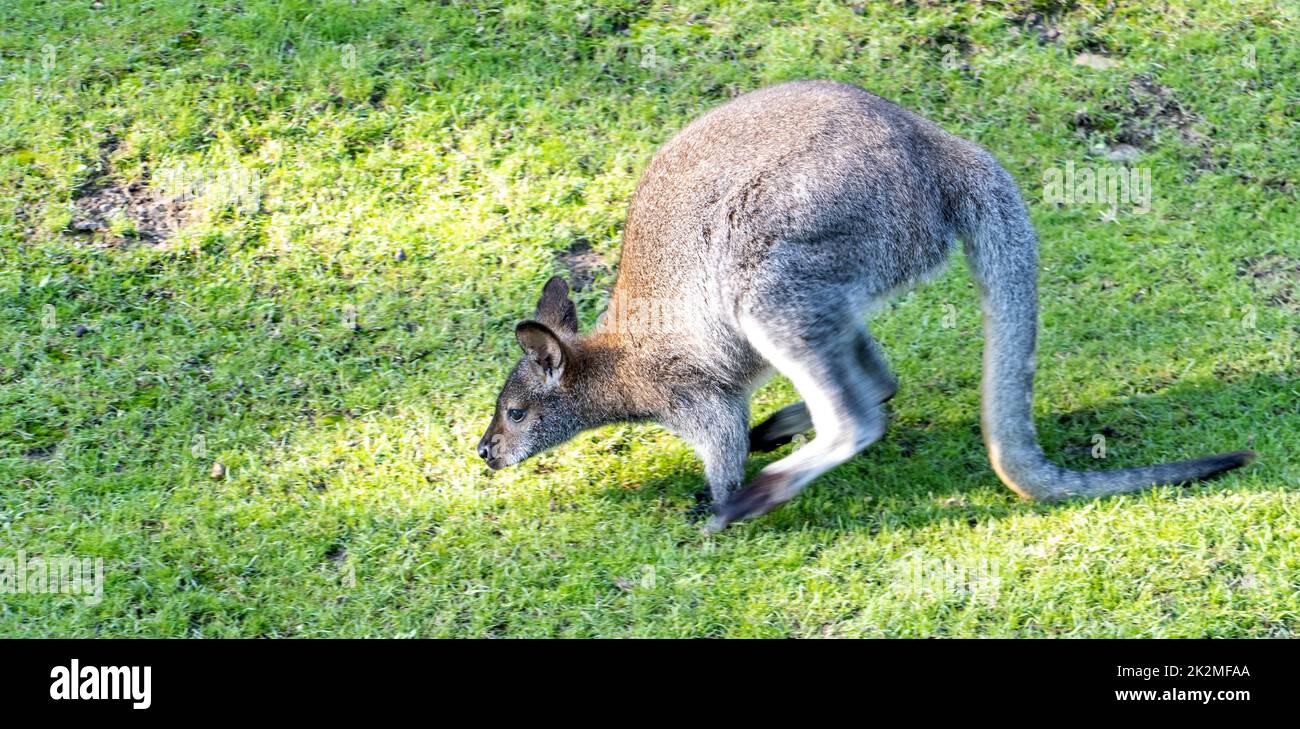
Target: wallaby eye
x=516 y=414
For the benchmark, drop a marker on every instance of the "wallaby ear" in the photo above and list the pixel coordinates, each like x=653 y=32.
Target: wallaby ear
x=544 y=349
x=555 y=310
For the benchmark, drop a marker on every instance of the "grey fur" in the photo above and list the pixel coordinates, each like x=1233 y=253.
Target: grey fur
x=777 y=221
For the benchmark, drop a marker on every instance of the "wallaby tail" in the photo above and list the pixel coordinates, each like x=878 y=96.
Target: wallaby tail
x=1002 y=251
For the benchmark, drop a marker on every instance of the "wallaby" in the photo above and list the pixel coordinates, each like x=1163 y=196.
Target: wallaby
x=771 y=225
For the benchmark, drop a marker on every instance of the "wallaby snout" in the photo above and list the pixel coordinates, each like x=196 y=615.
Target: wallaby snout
x=486 y=447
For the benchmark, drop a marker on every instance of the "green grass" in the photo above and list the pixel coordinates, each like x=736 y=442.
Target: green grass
x=384 y=186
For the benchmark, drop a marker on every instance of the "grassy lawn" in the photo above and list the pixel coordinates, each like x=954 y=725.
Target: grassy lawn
x=260 y=264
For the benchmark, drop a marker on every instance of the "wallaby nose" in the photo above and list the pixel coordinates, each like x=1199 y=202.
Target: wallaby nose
x=483 y=450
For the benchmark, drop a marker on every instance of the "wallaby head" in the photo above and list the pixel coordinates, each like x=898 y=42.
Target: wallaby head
x=540 y=405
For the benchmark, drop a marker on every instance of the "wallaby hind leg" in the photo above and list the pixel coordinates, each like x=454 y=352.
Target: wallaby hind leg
x=843 y=400
x=782 y=426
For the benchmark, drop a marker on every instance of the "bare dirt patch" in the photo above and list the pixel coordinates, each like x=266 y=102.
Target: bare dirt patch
x=584 y=264
x=1275 y=275
x=113 y=210
x=1147 y=109
x=1037 y=26
x=127 y=210
x=41 y=453
x=1152 y=106
x=337 y=554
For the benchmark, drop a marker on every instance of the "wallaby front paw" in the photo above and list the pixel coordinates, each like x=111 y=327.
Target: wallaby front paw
x=703 y=505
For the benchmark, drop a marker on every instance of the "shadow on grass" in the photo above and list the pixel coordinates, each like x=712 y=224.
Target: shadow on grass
x=919 y=474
